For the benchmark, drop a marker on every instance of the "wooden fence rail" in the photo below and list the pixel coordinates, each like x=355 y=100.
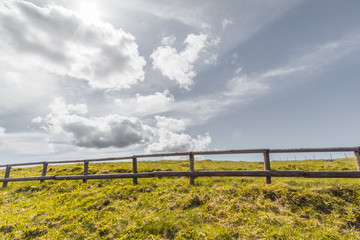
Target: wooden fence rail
x=192 y=173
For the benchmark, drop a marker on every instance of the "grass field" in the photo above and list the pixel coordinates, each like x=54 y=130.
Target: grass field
x=170 y=208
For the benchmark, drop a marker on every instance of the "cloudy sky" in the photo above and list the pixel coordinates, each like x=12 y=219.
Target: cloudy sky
x=83 y=79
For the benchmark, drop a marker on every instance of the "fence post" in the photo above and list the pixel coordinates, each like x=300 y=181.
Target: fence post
x=357 y=158
x=267 y=165
x=134 y=165
x=86 y=170
x=43 y=174
x=191 y=166
x=7 y=175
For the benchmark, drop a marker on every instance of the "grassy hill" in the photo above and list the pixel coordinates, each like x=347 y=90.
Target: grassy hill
x=170 y=208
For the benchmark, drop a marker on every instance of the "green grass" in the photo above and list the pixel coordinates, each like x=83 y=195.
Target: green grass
x=170 y=208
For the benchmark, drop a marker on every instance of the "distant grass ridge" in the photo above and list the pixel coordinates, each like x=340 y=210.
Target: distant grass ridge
x=170 y=208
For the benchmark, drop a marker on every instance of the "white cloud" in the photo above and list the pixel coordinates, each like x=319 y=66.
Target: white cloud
x=59 y=107
x=226 y=22
x=95 y=132
x=174 y=66
x=239 y=90
x=172 y=124
x=327 y=53
x=57 y=40
x=212 y=60
x=169 y=141
x=187 y=12
x=314 y=60
x=254 y=84
x=214 y=41
x=145 y=105
x=170 y=137
x=281 y=71
x=194 y=44
x=169 y=40
x=179 y=66
x=238 y=70
x=199 y=110
x=37 y=119
x=245 y=86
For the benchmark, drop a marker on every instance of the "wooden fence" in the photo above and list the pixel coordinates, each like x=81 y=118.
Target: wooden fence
x=192 y=173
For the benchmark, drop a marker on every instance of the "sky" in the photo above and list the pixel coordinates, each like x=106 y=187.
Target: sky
x=93 y=79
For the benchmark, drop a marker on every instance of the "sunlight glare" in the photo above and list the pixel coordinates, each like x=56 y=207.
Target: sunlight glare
x=89 y=12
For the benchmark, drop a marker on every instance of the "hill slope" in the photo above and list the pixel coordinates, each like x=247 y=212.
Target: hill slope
x=170 y=208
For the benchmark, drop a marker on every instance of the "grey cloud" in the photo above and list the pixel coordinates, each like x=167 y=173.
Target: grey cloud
x=118 y=132
x=94 y=132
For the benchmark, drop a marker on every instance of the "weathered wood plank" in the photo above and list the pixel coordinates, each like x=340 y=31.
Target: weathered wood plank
x=134 y=163
x=260 y=173
x=235 y=151
x=331 y=174
x=21 y=179
x=86 y=170
x=357 y=159
x=191 y=167
x=238 y=151
x=243 y=173
x=22 y=164
x=267 y=165
x=7 y=175
x=44 y=170
x=300 y=150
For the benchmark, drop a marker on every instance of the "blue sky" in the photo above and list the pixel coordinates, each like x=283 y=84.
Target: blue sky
x=83 y=79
